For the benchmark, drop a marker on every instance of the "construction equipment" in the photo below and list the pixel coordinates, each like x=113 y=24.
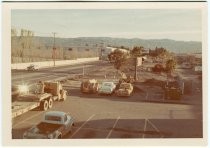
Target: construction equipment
x=89 y=86
x=172 y=91
x=40 y=95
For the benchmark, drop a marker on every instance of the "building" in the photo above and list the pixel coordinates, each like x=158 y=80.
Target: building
x=107 y=50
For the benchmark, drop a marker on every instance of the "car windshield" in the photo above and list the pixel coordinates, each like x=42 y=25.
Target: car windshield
x=88 y=83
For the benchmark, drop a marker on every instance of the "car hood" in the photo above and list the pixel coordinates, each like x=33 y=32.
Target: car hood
x=123 y=89
x=35 y=133
x=106 y=88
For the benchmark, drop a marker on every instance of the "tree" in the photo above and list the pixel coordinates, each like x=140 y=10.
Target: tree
x=137 y=51
x=170 y=65
x=13 y=32
x=118 y=58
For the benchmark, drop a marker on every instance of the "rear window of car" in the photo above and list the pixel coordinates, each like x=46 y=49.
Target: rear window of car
x=53 y=118
x=107 y=84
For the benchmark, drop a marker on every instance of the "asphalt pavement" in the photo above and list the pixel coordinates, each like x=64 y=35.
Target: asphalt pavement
x=111 y=117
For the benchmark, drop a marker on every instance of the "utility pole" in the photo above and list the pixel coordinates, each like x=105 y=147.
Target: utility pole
x=54 y=48
x=83 y=70
x=135 y=75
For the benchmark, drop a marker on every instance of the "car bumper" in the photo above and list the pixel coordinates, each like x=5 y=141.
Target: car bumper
x=121 y=94
x=105 y=92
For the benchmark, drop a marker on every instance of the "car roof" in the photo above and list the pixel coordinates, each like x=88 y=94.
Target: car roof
x=55 y=113
x=106 y=82
x=90 y=80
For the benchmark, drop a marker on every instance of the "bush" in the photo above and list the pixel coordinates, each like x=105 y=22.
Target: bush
x=158 y=68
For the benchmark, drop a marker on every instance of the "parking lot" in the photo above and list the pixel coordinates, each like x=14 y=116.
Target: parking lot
x=143 y=115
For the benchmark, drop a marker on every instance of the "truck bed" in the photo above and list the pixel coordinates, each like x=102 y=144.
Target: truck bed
x=19 y=108
x=45 y=128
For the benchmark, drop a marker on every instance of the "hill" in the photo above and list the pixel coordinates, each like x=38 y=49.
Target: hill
x=94 y=42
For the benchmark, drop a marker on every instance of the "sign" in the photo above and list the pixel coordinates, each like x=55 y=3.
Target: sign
x=138 y=61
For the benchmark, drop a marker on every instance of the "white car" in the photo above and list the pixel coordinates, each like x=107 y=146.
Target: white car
x=107 y=88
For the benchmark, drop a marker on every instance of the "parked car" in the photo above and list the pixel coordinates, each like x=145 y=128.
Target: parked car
x=125 y=89
x=89 y=86
x=107 y=88
x=55 y=125
x=32 y=67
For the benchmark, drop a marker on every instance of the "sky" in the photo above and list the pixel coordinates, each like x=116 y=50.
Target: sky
x=176 y=24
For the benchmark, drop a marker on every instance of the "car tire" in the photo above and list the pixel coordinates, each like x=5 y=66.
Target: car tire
x=50 y=103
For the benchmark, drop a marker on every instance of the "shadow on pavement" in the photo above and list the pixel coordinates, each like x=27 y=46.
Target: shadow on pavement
x=137 y=128
x=130 y=128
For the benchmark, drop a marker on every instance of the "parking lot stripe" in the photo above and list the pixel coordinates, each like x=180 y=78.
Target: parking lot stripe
x=155 y=127
x=26 y=119
x=82 y=125
x=113 y=127
x=145 y=126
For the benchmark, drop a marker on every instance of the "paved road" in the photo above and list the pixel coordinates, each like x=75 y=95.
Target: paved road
x=114 y=117
x=29 y=77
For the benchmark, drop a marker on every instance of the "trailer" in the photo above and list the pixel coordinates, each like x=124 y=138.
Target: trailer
x=41 y=96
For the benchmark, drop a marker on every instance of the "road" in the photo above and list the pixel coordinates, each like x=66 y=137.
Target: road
x=114 y=117
x=29 y=77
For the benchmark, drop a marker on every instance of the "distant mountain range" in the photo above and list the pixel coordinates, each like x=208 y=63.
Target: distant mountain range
x=97 y=42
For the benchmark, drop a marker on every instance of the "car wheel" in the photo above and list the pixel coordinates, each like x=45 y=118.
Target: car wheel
x=50 y=103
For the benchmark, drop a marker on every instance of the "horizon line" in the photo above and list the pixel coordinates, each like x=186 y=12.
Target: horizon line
x=120 y=38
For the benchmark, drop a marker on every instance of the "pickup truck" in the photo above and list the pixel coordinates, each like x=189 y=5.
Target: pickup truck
x=55 y=125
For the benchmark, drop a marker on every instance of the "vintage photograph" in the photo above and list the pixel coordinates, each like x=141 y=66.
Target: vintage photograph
x=107 y=71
